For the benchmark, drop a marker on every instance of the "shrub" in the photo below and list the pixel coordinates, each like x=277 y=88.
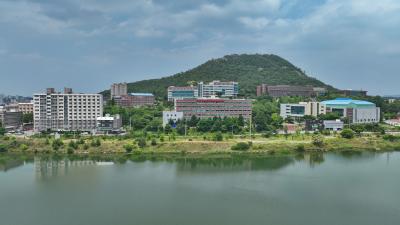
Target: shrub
x=162 y=139
x=86 y=147
x=318 y=140
x=129 y=148
x=57 y=143
x=390 y=137
x=241 y=146
x=47 y=142
x=95 y=143
x=347 y=133
x=80 y=141
x=300 y=148
x=6 y=138
x=153 y=142
x=74 y=145
x=267 y=134
x=141 y=142
x=23 y=147
x=218 y=137
x=3 y=148
x=70 y=150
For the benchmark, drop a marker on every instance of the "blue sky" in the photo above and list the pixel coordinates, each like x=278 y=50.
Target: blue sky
x=89 y=44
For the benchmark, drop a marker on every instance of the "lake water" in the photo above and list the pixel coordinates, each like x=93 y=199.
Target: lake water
x=330 y=189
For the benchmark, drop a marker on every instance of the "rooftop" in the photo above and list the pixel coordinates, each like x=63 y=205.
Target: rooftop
x=141 y=94
x=348 y=102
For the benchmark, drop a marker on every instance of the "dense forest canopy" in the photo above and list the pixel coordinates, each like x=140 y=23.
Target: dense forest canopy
x=248 y=70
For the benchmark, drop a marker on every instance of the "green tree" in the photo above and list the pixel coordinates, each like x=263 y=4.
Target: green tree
x=27 y=118
x=347 y=133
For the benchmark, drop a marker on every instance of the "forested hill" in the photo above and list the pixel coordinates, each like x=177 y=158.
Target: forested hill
x=248 y=70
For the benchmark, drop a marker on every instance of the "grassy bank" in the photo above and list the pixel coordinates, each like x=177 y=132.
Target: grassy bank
x=199 y=145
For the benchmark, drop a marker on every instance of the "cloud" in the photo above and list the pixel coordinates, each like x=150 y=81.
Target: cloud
x=254 y=23
x=332 y=39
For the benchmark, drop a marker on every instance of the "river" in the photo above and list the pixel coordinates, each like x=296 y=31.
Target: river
x=317 y=189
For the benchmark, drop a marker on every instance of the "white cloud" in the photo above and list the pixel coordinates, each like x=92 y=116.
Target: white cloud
x=254 y=23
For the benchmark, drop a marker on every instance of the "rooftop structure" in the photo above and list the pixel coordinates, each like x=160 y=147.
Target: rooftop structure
x=302 y=109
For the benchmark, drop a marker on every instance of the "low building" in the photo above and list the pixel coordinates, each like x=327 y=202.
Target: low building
x=135 y=100
x=353 y=93
x=356 y=111
x=277 y=91
x=25 y=108
x=302 y=109
x=109 y=123
x=173 y=116
x=393 y=122
x=334 y=125
x=214 y=107
x=11 y=120
x=182 y=92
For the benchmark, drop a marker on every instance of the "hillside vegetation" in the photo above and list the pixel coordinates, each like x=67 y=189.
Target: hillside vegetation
x=248 y=70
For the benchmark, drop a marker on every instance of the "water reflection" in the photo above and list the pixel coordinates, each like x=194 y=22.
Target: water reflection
x=48 y=166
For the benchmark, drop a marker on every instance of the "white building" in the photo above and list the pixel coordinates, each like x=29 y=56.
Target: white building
x=356 y=111
x=119 y=89
x=302 y=109
x=218 y=88
x=171 y=115
x=66 y=111
x=109 y=123
x=334 y=125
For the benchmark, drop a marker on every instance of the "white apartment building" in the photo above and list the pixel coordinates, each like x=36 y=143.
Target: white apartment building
x=302 y=109
x=66 y=111
x=216 y=88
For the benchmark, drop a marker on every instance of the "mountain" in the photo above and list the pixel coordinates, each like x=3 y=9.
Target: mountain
x=248 y=70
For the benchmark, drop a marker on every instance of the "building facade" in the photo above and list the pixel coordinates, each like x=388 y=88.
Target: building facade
x=11 y=120
x=119 y=89
x=302 y=109
x=109 y=123
x=214 y=107
x=25 y=108
x=228 y=89
x=182 y=92
x=135 y=100
x=288 y=90
x=353 y=93
x=173 y=116
x=66 y=111
x=356 y=111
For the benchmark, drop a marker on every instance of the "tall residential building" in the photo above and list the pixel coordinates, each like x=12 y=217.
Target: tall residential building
x=66 y=111
x=356 y=111
x=182 y=92
x=119 y=89
x=302 y=109
x=218 y=88
x=277 y=91
x=135 y=100
x=214 y=107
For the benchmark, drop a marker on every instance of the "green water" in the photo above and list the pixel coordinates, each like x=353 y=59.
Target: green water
x=332 y=189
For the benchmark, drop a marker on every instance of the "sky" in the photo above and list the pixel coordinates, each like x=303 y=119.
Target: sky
x=87 y=45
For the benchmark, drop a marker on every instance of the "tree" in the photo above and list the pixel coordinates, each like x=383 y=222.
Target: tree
x=27 y=118
x=318 y=140
x=167 y=129
x=347 y=133
x=218 y=137
x=193 y=121
x=129 y=148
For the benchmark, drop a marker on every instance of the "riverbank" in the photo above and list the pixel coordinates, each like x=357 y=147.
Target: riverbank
x=195 y=145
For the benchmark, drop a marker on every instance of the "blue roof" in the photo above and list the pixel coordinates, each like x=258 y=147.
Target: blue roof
x=347 y=102
x=141 y=94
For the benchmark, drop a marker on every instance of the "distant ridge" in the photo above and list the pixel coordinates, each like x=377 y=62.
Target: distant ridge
x=248 y=70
